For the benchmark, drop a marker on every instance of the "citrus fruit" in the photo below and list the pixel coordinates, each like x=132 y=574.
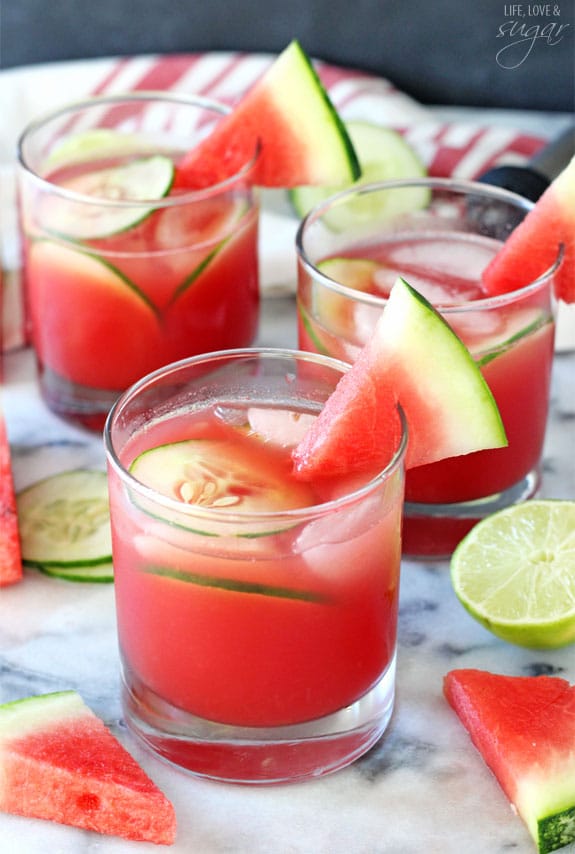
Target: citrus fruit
x=515 y=573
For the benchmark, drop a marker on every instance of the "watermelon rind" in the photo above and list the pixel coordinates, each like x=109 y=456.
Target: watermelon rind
x=413 y=359
x=524 y=728
x=541 y=241
x=288 y=119
x=319 y=123
x=59 y=762
x=557 y=830
x=413 y=337
x=383 y=155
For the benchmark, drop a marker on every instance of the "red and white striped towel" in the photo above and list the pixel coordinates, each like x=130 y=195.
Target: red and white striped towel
x=460 y=149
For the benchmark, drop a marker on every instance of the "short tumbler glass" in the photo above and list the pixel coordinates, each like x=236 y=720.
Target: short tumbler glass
x=130 y=263
x=438 y=234
x=257 y=646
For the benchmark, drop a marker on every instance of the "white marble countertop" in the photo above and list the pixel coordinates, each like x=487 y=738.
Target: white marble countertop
x=423 y=788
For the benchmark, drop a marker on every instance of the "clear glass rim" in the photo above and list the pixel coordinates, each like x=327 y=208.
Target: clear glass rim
x=143 y=96
x=461 y=187
x=227 y=516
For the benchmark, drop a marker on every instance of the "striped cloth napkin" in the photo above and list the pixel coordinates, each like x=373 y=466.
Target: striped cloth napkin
x=459 y=149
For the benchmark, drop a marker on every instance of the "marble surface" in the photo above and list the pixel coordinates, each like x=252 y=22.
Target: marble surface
x=422 y=788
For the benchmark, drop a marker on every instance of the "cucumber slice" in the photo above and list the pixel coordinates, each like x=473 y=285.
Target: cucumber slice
x=383 y=155
x=237 y=585
x=143 y=180
x=92 y=144
x=65 y=521
x=101 y=573
x=220 y=474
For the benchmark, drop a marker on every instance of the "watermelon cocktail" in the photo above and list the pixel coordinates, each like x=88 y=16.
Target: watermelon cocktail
x=440 y=235
x=257 y=613
x=127 y=267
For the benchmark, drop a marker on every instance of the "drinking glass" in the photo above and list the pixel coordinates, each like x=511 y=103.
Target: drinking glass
x=258 y=643
x=127 y=269
x=438 y=234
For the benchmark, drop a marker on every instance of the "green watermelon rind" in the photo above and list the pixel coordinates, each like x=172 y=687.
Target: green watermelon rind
x=539 y=782
x=18 y=717
x=555 y=831
x=410 y=329
x=331 y=116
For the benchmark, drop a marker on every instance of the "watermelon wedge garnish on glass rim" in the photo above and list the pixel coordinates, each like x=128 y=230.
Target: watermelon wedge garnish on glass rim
x=413 y=359
x=288 y=117
x=533 y=247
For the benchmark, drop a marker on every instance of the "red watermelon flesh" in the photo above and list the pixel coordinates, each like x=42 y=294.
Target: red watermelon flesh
x=286 y=122
x=10 y=552
x=59 y=762
x=413 y=359
x=533 y=246
x=524 y=727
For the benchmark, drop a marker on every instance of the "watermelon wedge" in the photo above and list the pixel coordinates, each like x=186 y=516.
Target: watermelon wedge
x=10 y=552
x=288 y=115
x=415 y=359
x=524 y=727
x=532 y=248
x=59 y=762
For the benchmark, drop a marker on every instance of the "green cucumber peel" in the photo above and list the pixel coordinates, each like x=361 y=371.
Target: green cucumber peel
x=95 y=573
x=236 y=586
x=117 y=219
x=310 y=331
x=530 y=329
x=78 y=249
x=65 y=520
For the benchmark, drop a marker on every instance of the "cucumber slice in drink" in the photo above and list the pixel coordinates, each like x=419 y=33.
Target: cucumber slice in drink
x=220 y=475
x=234 y=585
x=94 y=143
x=105 y=208
x=383 y=155
x=65 y=521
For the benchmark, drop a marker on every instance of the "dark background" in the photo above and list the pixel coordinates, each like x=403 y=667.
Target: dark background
x=438 y=51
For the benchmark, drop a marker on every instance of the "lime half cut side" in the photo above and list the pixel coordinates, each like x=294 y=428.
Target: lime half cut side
x=515 y=573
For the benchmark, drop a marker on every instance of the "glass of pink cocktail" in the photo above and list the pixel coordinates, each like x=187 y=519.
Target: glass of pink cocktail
x=126 y=270
x=439 y=235
x=257 y=613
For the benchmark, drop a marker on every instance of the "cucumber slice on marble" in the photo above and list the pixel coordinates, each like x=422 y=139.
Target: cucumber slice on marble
x=143 y=180
x=383 y=155
x=100 y=573
x=64 y=521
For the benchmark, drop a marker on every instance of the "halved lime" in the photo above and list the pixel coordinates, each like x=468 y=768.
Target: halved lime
x=515 y=573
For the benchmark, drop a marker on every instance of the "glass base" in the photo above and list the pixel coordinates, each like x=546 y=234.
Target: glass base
x=260 y=755
x=81 y=405
x=432 y=531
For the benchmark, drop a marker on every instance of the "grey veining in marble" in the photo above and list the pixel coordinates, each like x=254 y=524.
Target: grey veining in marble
x=422 y=789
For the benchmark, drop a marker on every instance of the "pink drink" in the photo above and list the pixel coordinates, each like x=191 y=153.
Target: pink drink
x=257 y=630
x=124 y=271
x=510 y=336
